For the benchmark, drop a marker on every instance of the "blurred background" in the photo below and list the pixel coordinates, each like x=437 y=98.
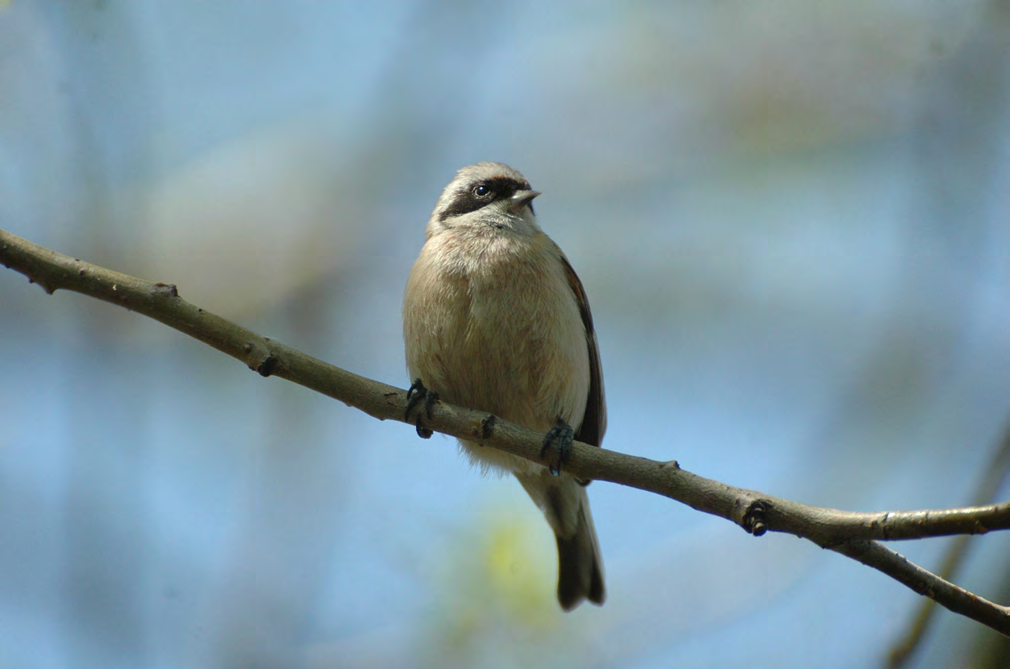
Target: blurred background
x=791 y=219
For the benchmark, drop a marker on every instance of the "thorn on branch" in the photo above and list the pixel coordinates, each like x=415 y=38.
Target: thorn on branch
x=755 y=518
x=44 y=286
x=267 y=367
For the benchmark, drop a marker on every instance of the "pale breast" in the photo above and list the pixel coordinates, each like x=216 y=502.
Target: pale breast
x=498 y=331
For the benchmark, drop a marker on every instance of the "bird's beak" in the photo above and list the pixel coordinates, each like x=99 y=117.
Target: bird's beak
x=520 y=199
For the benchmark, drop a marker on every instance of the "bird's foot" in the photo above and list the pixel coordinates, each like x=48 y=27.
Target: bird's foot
x=418 y=394
x=560 y=437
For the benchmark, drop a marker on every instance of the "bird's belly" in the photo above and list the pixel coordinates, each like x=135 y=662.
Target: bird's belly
x=513 y=349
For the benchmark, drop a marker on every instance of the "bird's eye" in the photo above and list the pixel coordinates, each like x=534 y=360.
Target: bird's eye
x=482 y=191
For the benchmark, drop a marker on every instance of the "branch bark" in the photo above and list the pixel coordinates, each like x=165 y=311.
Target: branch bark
x=856 y=535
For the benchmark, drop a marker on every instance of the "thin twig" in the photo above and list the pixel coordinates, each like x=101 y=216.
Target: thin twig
x=992 y=480
x=848 y=533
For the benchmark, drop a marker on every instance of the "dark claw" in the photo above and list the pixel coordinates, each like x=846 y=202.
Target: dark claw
x=562 y=436
x=754 y=520
x=416 y=394
x=487 y=427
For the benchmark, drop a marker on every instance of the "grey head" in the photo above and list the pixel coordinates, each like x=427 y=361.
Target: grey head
x=486 y=197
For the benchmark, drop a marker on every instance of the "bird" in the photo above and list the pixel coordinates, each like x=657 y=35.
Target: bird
x=495 y=319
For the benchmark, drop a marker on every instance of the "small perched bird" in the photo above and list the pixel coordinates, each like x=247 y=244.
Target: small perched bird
x=495 y=319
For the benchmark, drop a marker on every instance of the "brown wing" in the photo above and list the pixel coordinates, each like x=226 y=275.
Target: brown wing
x=594 y=423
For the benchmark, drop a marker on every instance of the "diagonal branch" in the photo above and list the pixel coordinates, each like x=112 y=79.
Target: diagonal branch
x=855 y=535
x=953 y=597
x=994 y=476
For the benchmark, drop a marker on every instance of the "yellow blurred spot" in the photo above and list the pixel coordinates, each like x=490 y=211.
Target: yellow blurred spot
x=496 y=596
x=520 y=573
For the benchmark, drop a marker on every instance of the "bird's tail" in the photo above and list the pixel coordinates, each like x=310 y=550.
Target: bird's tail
x=580 y=563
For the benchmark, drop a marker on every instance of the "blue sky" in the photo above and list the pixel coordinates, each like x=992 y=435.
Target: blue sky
x=791 y=223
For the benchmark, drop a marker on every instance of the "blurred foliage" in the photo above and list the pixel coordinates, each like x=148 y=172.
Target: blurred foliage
x=495 y=603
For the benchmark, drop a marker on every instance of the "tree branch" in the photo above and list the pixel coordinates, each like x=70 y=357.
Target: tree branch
x=852 y=534
x=994 y=475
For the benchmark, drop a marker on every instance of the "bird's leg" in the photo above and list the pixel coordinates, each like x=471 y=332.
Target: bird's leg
x=561 y=437
x=416 y=394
